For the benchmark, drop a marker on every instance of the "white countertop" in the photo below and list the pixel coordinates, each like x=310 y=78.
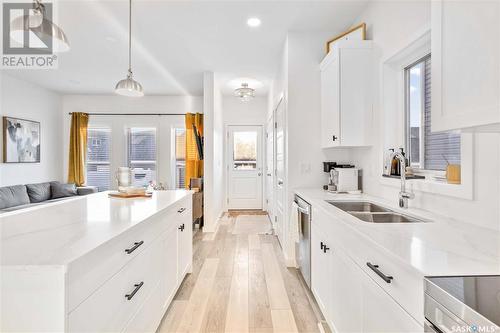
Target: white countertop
x=441 y=247
x=58 y=233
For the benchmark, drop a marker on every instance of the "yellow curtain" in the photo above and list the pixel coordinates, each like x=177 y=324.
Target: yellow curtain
x=77 y=148
x=194 y=166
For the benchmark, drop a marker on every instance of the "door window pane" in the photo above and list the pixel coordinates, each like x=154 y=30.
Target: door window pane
x=142 y=155
x=98 y=158
x=245 y=151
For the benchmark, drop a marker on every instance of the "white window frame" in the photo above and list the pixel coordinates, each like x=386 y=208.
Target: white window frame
x=393 y=101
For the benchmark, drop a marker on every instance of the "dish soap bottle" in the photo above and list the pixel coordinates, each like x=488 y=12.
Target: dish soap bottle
x=388 y=162
x=395 y=169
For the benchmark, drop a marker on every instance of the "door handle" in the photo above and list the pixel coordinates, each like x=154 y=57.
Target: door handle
x=260 y=174
x=133 y=248
x=132 y=294
x=181 y=210
x=269 y=174
x=181 y=227
x=384 y=277
x=280 y=182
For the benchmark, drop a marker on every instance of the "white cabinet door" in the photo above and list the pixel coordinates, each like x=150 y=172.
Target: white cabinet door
x=346 y=308
x=381 y=313
x=184 y=243
x=169 y=267
x=330 y=102
x=321 y=277
x=465 y=64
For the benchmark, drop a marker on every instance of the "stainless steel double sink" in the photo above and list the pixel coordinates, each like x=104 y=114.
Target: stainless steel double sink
x=369 y=212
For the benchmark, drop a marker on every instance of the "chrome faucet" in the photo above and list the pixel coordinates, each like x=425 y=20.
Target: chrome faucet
x=403 y=195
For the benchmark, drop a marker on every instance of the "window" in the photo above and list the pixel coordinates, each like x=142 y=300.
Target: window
x=180 y=157
x=426 y=150
x=98 y=158
x=141 y=153
x=245 y=151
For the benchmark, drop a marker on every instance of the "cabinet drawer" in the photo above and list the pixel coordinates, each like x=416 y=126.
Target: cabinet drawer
x=406 y=286
x=89 y=272
x=109 y=309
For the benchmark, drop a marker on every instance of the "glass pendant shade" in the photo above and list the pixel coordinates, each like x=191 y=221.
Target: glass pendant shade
x=245 y=93
x=42 y=27
x=129 y=87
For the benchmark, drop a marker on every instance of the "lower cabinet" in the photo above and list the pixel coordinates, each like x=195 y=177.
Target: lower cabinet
x=349 y=298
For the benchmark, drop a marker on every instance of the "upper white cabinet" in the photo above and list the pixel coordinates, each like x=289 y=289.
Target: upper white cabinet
x=346 y=95
x=465 y=65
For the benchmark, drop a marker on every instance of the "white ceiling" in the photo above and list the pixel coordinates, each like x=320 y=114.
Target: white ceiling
x=174 y=42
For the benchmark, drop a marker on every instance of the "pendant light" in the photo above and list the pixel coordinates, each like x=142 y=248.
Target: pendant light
x=129 y=86
x=38 y=23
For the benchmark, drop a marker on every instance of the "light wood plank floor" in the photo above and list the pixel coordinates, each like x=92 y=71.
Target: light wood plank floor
x=239 y=284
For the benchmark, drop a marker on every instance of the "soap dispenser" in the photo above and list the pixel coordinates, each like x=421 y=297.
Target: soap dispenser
x=388 y=162
x=395 y=168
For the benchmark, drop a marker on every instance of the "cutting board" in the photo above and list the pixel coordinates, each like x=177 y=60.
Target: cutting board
x=129 y=195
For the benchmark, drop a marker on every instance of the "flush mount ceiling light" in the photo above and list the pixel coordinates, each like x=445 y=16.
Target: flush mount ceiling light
x=38 y=23
x=129 y=86
x=253 y=22
x=244 y=93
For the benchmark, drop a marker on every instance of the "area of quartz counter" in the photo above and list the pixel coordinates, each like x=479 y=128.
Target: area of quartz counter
x=57 y=233
x=441 y=247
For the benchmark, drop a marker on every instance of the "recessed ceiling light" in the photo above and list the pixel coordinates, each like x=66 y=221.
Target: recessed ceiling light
x=253 y=22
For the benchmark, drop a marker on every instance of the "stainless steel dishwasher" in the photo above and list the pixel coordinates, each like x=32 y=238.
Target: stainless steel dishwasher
x=304 y=248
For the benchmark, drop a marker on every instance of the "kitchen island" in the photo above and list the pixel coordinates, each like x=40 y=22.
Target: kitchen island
x=94 y=263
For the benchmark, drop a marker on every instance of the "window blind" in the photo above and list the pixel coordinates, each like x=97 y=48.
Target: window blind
x=98 y=158
x=142 y=155
x=438 y=147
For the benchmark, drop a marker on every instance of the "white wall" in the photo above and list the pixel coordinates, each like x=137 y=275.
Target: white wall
x=298 y=80
x=392 y=25
x=28 y=101
x=118 y=124
x=214 y=151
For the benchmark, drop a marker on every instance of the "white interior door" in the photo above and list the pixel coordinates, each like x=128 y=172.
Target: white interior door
x=270 y=168
x=280 y=171
x=244 y=167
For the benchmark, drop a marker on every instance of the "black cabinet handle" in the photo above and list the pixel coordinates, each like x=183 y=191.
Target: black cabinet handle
x=334 y=138
x=322 y=245
x=384 y=277
x=181 y=210
x=181 y=227
x=325 y=248
x=133 y=248
x=137 y=287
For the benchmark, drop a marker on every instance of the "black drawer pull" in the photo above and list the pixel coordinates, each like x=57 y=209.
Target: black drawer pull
x=181 y=227
x=384 y=277
x=325 y=248
x=334 y=138
x=181 y=210
x=322 y=245
x=137 y=287
x=133 y=248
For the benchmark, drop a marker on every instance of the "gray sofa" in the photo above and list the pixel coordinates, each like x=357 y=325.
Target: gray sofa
x=22 y=196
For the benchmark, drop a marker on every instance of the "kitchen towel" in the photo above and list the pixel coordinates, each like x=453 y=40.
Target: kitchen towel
x=294 y=223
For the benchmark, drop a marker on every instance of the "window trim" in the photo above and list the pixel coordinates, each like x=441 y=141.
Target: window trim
x=393 y=101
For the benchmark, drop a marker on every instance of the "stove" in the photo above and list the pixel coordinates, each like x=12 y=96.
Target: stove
x=462 y=304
